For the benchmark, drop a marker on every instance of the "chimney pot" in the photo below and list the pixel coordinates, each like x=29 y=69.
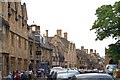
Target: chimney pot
x=59 y=31
x=46 y=33
x=91 y=50
x=94 y=51
x=65 y=35
x=82 y=48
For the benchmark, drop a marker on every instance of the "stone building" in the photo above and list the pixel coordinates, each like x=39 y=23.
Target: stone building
x=82 y=58
x=94 y=59
x=90 y=60
x=64 y=51
x=40 y=52
x=14 y=37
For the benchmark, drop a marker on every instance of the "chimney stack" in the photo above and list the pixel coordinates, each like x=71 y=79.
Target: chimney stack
x=86 y=50
x=95 y=51
x=65 y=35
x=46 y=33
x=74 y=46
x=59 y=31
x=91 y=50
x=37 y=29
x=82 y=48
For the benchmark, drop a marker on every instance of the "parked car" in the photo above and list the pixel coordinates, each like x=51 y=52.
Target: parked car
x=110 y=67
x=93 y=76
x=67 y=75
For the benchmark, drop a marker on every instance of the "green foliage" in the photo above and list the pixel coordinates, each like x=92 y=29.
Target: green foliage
x=108 y=21
x=108 y=25
x=114 y=51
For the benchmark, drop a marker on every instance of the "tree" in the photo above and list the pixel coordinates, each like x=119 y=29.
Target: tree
x=108 y=25
x=114 y=51
x=108 y=21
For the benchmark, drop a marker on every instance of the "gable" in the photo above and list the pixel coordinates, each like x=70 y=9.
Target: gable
x=24 y=12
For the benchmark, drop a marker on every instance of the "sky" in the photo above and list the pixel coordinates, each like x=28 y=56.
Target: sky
x=75 y=17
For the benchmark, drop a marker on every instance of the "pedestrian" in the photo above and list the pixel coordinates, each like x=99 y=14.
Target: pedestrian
x=24 y=76
x=17 y=75
x=30 y=75
x=39 y=73
x=13 y=75
x=9 y=77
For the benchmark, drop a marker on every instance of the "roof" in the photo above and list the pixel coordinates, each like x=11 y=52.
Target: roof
x=65 y=41
x=43 y=42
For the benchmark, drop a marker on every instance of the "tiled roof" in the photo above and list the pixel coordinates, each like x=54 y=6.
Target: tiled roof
x=65 y=42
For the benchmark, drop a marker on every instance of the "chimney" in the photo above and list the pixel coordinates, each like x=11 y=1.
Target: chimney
x=74 y=46
x=91 y=50
x=95 y=51
x=37 y=29
x=86 y=50
x=65 y=35
x=82 y=48
x=46 y=33
x=59 y=31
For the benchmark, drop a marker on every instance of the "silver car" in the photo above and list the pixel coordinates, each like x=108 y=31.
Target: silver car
x=68 y=75
x=93 y=76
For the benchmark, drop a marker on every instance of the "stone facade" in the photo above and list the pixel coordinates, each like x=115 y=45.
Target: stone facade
x=64 y=51
x=82 y=58
x=20 y=46
x=40 y=52
x=87 y=60
x=14 y=37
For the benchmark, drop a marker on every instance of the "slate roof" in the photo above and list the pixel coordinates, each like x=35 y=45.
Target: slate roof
x=65 y=42
x=43 y=42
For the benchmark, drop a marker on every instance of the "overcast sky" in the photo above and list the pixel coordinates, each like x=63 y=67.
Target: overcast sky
x=75 y=17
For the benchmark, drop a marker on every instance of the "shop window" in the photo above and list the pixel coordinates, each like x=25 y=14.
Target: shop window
x=0 y=39
x=12 y=64
x=19 y=64
x=25 y=64
x=30 y=50
x=25 y=45
x=6 y=65
x=19 y=42
x=12 y=39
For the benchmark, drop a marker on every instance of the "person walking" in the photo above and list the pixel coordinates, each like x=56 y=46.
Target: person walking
x=30 y=73
x=24 y=76
x=17 y=75
x=9 y=77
